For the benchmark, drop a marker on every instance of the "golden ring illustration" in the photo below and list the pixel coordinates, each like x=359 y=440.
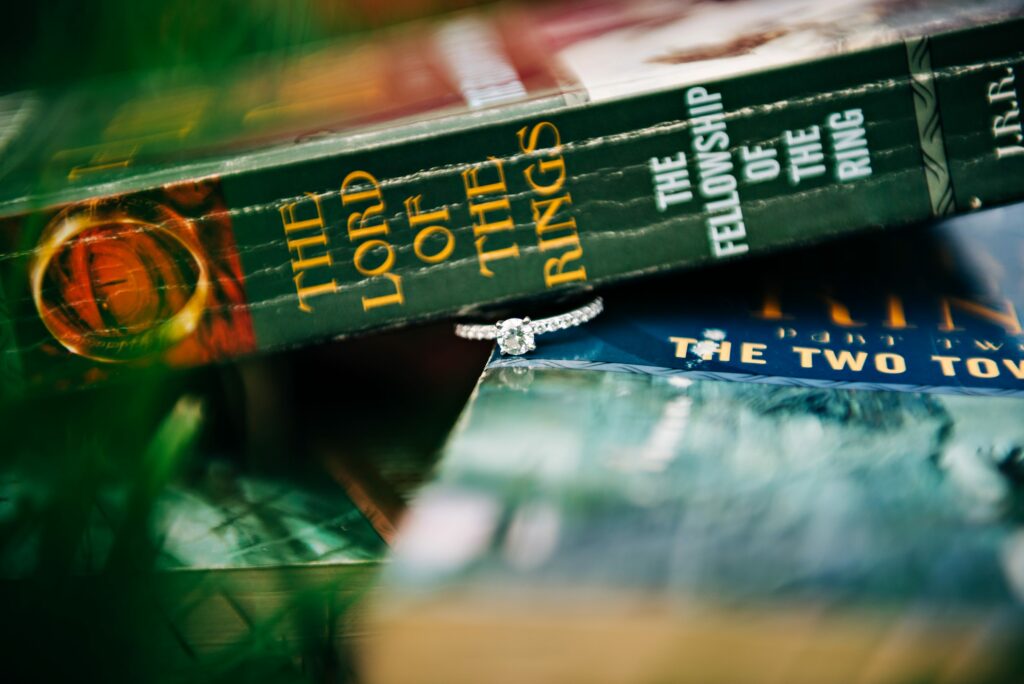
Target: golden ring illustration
x=105 y=278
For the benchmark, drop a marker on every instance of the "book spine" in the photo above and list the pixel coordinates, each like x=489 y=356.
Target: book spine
x=282 y=255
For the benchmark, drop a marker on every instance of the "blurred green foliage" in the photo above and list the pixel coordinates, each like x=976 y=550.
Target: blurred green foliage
x=69 y=616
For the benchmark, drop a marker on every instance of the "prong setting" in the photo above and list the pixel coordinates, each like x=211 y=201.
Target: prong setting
x=515 y=336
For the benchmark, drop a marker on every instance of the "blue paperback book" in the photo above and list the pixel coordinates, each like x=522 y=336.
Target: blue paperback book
x=803 y=469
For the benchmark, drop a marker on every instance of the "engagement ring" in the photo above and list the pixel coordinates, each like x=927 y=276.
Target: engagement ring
x=515 y=335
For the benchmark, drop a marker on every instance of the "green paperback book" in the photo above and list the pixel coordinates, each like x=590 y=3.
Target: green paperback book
x=493 y=156
x=799 y=469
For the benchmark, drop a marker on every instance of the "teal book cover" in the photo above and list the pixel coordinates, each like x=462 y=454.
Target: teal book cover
x=806 y=469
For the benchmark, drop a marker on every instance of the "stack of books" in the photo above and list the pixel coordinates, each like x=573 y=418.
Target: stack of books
x=755 y=276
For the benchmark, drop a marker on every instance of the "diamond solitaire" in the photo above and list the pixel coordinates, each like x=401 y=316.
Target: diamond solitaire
x=515 y=336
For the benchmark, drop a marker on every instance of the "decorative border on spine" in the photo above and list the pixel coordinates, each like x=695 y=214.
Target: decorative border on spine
x=929 y=127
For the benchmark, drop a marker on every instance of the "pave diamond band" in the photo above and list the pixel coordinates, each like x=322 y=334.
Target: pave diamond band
x=515 y=336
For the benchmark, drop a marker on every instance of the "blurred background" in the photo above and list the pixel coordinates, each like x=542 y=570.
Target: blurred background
x=137 y=518
x=64 y=41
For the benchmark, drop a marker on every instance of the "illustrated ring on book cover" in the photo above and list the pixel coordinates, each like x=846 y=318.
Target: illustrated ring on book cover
x=515 y=336
x=114 y=281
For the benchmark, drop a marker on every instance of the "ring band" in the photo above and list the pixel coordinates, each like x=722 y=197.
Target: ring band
x=515 y=336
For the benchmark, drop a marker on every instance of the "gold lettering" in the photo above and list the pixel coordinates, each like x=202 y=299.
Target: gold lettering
x=482 y=224
x=844 y=358
x=348 y=197
x=363 y=249
x=471 y=180
x=356 y=225
x=544 y=211
x=806 y=355
x=753 y=352
x=982 y=368
x=892 y=364
x=946 y=364
x=364 y=231
x=418 y=218
x=291 y=223
x=1015 y=367
x=559 y=243
x=383 y=269
x=554 y=269
x=723 y=351
x=682 y=345
x=424 y=235
x=386 y=300
x=486 y=256
x=544 y=166
x=306 y=291
x=535 y=131
x=302 y=262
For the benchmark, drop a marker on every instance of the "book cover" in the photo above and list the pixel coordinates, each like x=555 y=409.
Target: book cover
x=495 y=156
x=803 y=469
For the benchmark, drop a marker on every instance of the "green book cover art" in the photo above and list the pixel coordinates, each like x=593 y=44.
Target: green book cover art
x=488 y=158
x=719 y=479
